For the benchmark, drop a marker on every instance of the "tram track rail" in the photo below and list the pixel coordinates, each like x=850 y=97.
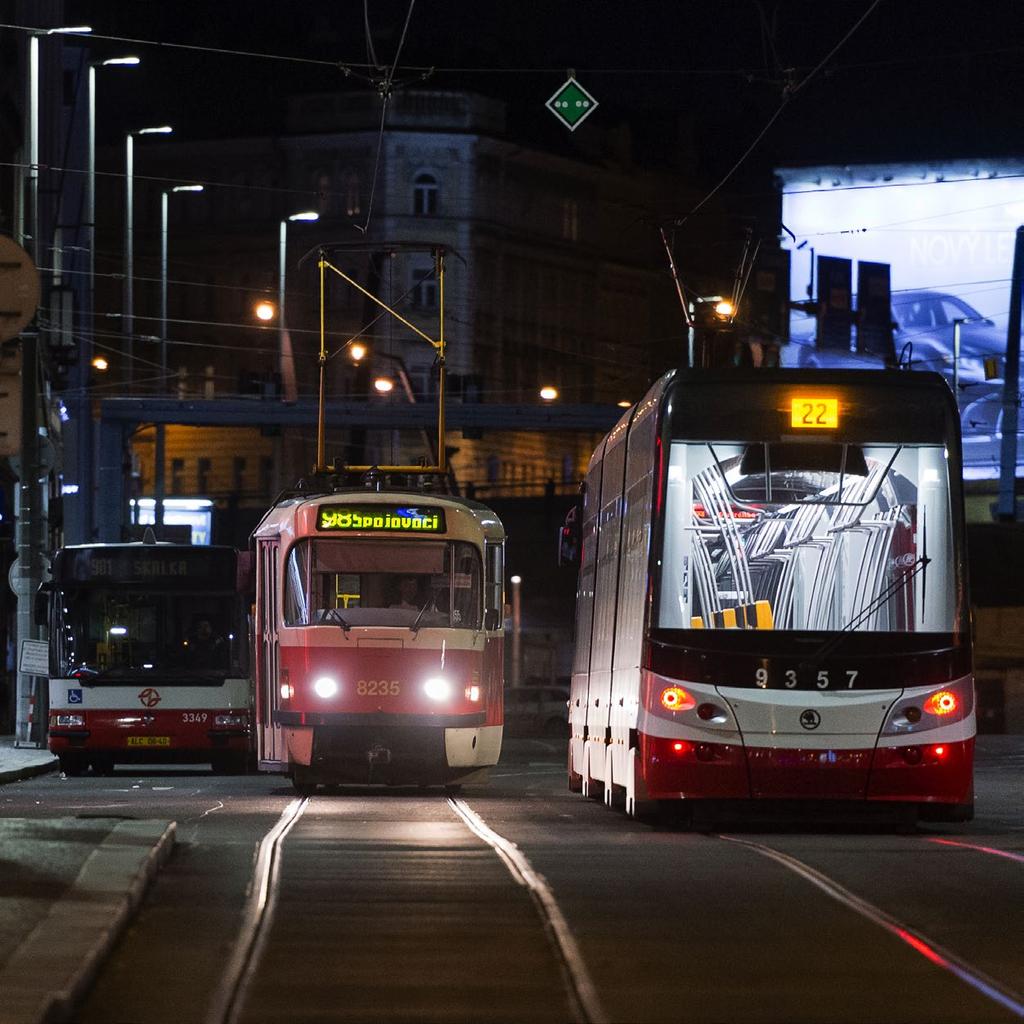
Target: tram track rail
x=582 y=992
x=257 y=918
x=923 y=945
x=229 y=999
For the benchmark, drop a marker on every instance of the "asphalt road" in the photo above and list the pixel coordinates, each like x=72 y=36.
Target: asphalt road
x=390 y=908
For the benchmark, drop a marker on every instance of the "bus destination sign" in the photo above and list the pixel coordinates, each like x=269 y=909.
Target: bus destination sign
x=380 y=519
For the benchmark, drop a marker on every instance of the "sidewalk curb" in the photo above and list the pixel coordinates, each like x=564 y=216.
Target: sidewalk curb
x=59 y=960
x=29 y=771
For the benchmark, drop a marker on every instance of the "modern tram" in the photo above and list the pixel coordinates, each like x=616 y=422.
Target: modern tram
x=379 y=638
x=772 y=599
x=148 y=655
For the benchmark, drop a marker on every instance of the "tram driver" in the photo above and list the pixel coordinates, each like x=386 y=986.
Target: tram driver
x=408 y=594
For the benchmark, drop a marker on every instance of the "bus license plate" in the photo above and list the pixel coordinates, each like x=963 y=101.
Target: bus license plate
x=149 y=741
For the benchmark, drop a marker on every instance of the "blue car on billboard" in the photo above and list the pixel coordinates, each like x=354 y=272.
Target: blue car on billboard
x=922 y=338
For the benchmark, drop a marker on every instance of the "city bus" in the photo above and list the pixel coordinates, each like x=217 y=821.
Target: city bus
x=148 y=655
x=772 y=600
x=379 y=639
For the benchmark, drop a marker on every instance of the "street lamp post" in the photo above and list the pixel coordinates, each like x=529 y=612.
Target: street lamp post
x=158 y=454
x=128 y=320
x=84 y=418
x=31 y=508
x=285 y=360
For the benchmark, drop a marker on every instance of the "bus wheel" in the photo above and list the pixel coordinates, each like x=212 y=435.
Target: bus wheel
x=72 y=765
x=303 y=783
x=232 y=763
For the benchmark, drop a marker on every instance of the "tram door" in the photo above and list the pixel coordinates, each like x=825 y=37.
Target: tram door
x=270 y=740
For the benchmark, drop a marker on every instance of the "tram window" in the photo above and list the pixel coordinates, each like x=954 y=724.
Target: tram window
x=334 y=581
x=811 y=545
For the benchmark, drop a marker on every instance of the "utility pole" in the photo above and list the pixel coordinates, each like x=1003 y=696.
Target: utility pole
x=31 y=527
x=1007 y=507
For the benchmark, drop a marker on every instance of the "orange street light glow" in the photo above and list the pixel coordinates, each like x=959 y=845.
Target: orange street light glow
x=548 y=393
x=265 y=310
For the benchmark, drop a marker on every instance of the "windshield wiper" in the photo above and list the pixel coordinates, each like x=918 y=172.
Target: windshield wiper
x=334 y=616
x=890 y=591
x=415 y=627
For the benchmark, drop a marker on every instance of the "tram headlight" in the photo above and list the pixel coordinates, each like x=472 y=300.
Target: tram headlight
x=325 y=687
x=675 y=698
x=922 y=710
x=437 y=688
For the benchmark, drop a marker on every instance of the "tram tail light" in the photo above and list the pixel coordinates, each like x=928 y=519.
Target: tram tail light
x=945 y=702
x=473 y=693
x=680 y=747
x=675 y=698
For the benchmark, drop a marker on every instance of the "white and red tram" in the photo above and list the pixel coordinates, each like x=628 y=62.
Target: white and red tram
x=379 y=638
x=772 y=597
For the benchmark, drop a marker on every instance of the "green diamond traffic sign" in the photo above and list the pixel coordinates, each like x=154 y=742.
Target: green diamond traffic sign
x=572 y=104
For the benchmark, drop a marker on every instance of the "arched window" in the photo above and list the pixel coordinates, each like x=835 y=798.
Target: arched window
x=424 y=195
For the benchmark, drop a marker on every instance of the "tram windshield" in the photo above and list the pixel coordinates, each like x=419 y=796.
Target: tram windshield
x=414 y=584
x=105 y=634
x=809 y=536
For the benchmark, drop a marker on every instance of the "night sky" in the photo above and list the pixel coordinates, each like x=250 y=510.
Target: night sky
x=695 y=82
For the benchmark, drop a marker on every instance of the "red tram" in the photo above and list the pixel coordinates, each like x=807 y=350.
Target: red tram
x=772 y=597
x=379 y=636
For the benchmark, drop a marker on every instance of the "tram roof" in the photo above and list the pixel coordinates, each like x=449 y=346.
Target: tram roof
x=282 y=516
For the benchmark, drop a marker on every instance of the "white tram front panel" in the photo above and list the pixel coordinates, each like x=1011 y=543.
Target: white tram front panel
x=380 y=621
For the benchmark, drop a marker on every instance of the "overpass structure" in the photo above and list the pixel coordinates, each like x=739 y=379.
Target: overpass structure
x=120 y=417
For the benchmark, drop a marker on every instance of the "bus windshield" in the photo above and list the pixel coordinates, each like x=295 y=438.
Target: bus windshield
x=810 y=536
x=413 y=584
x=110 y=634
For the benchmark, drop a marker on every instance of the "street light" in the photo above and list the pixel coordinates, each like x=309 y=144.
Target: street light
x=548 y=393
x=128 y=320
x=32 y=520
x=285 y=362
x=516 y=629
x=85 y=427
x=265 y=310
x=158 y=454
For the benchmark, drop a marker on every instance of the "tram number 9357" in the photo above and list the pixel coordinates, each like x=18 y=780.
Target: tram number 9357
x=378 y=687
x=824 y=680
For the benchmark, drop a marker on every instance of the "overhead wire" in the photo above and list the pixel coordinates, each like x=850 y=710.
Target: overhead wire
x=788 y=95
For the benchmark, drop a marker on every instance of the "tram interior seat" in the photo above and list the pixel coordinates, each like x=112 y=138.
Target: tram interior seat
x=757 y=615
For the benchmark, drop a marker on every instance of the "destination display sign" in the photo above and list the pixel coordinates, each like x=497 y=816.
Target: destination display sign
x=380 y=519
x=173 y=566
